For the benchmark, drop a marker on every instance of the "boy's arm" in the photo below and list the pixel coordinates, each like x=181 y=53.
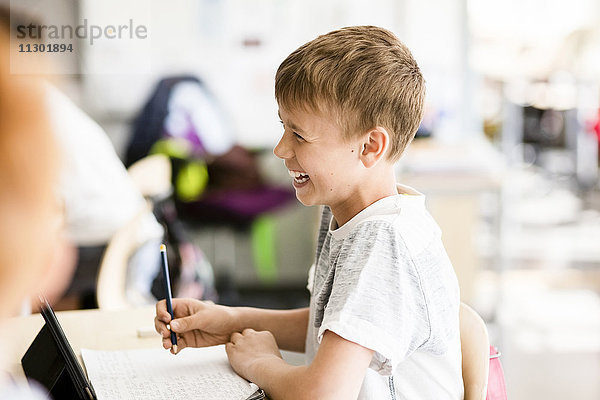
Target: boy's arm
x=288 y=326
x=200 y=324
x=337 y=372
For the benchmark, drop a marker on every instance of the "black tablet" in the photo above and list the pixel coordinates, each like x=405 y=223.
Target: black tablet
x=50 y=361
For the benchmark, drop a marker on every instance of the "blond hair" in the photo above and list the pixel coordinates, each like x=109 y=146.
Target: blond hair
x=364 y=76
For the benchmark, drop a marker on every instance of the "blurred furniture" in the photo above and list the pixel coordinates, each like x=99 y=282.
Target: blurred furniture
x=475 y=348
x=463 y=185
x=152 y=177
x=550 y=125
x=111 y=289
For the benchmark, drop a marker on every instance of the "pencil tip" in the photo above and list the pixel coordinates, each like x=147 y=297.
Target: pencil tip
x=163 y=247
x=175 y=348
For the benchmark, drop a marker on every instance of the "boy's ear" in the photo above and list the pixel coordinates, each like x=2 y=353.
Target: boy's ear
x=374 y=146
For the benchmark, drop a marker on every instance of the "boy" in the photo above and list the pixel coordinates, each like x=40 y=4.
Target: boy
x=383 y=315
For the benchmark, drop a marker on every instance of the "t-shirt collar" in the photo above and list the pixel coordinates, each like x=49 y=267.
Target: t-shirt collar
x=407 y=197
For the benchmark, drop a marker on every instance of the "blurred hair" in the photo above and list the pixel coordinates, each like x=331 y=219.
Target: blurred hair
x=28 y=173
x=18 y=14
x=364 y=76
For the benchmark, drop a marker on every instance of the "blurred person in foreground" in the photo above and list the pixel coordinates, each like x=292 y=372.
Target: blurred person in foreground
x=98 y=196
x=32 y=245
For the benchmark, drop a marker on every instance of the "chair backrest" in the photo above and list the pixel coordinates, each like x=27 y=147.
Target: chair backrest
x=112 y=274
x=152 y=177
x=475 y=347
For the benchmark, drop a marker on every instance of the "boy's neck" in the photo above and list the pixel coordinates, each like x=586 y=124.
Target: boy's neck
x=367 y=193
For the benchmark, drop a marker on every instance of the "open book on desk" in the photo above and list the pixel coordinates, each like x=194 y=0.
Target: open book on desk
x=194 y=373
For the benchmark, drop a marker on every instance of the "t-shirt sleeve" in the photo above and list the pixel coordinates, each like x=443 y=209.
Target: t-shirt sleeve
x=376 y=299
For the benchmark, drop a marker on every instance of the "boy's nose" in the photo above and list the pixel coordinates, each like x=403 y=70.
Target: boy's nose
x=283 y=150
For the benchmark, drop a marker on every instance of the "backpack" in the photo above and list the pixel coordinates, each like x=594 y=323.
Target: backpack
x=190 y=272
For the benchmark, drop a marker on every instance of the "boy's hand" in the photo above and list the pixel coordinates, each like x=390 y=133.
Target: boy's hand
x=249 y=347
x=196 y=323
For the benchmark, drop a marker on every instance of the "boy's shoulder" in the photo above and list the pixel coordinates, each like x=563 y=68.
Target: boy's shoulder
x=412 y=231
x=400 y=220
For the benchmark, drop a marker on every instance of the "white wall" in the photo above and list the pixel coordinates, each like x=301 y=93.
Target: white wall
x=237 y=45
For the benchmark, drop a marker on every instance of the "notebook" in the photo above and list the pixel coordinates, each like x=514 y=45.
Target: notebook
x=194 y=373
x=130 y=374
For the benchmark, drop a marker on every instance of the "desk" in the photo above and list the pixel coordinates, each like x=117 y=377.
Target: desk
x=92 y=329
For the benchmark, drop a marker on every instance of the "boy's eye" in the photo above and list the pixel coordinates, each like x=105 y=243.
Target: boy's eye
x=294 y=133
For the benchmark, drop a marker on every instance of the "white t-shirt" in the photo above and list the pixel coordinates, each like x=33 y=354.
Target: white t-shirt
x=383 y=280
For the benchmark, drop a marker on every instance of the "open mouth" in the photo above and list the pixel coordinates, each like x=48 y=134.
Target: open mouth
x=299 y=177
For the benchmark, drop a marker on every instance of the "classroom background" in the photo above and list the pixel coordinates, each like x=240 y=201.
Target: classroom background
x=507 y=153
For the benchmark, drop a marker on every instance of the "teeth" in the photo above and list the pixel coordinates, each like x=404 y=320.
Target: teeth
x=298 y=176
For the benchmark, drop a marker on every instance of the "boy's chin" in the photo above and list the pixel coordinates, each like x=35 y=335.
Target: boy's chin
x=305 y=201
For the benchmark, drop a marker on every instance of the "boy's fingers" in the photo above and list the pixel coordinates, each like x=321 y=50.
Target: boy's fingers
x=181 y=343
x=234 y=337
x=161 y=327
x=169 y=346
x=161 y=320
x=160 y=307
x=161 y=311
x=165 y=317
x=184 y=324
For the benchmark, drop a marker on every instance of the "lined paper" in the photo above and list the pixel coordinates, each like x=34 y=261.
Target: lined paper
x=202 y=373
